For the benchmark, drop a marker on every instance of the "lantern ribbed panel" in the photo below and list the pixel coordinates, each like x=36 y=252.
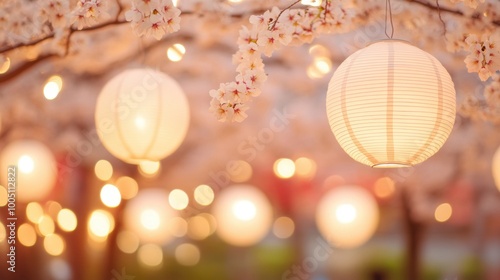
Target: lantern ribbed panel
x=142 y=114
x=391 y=104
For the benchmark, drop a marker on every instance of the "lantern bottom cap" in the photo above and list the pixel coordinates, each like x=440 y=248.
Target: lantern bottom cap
x=391 y=165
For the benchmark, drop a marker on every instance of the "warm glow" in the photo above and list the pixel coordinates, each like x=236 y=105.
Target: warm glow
x=157 y=120
x=37 y=169
x=320 y=67
x=284 y=168
x=26 y=164
x=127 y=241
x=495 y=166
x=110 y=195
x=204 y=195
x=148 y=215
x=150 y=255
x=283 y=227
x=46 y=225
x=66 y=219
x=178 y=227
x=54 y=244
x=187 y=254
x=443 y=212
x=243 y=214
x=149 y=168
x=178 y=199
x=3 y=232
x=101 y=223
x=305 y=167
x=176 y=52
x=150 y=219
x=315 y=3
x=26 y=234
x=345 y=213
x=128 y=187
x=53 y=208
x=211 y=221
x=3 y=196
x=319 y=51
x=240 y=172
x=5 y=66
x=52 y=87
x=391 y=105
x=244 y=210
x=347 y=216
x=175 y=3
x=384 y=187
x=34 y=212
x=198 y=227
x=103 y=170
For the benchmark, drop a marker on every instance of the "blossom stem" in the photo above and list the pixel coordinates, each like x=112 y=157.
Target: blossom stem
x=276 y=20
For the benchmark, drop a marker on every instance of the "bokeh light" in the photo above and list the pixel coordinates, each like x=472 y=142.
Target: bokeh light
x=178 y=227
x=34 y=212
x=283 y=227
x=127 y=241
x=384 y=187
x=128 y=187
x=103 y=170
x=204 y=195
x=53 y=208
x=26 y=234
x=52 y=87
x=315 y=3
x=5 y=66
x=60 y=269
x=150 y=255
x=178 y=199
x=187 y=254
x=240 y=171
x=305 y=167
x=149 y=169
x=101 y=223
x=45 y=225
x=284 y=168
x=345 y=213
x=3 y=232
x=198 y=227
x=66 y=219
x=110 y=195
x=176 y=52
x=443 y=212
x=3 y=196
x=54 y=244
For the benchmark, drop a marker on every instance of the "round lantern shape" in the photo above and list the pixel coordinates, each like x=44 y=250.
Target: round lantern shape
x=347 y=216
x=141 y=114
x=36 y=169
x=149 y=216
x=496 y=168
x=391 y=105
x=243 y=214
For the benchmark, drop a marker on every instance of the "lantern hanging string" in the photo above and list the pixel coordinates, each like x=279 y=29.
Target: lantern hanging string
x=388 y=7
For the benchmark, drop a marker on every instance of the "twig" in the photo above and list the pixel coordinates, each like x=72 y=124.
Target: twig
x=441 y=19
x=276 y=20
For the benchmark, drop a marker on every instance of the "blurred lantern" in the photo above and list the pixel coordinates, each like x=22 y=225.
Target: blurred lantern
x=243 y=214
x=496 y=168
x=148 y=215
x=391 y=105
x=347 y=216
x=36 y=169
x=142 y=114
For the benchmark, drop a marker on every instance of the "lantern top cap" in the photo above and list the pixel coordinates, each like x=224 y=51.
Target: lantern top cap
x=390 y=40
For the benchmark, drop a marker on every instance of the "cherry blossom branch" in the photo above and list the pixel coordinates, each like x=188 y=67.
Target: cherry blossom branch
x=279 y=15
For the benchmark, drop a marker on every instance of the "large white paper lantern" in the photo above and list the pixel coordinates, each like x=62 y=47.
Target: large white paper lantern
x=142 y=115
x=347 y=216
x=150 y=217
x=244 y=215
x=391 y=104
x=36 y=169
x=496 y=168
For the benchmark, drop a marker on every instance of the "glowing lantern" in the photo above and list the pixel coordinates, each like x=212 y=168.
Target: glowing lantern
x=142 y=114
x=36 y=169
x=149 y=216
x=243 y=214
x=391 y=105
x=347 y=216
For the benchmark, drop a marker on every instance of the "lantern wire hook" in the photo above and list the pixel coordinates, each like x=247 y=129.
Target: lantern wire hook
x=388 y=7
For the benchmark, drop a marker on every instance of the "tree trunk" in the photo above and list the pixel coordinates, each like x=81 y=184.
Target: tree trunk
x=414 y=236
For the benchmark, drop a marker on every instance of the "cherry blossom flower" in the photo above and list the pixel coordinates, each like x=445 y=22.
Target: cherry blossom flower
x=87 y=13
x=484 y=57
x=154 y=17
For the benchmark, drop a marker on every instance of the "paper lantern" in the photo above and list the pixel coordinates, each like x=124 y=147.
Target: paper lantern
x=391 y=105
x=347 y=216
x=150 y=217
x=243 y=214
x=496 y=168
x=141 y=114
x=36 y=169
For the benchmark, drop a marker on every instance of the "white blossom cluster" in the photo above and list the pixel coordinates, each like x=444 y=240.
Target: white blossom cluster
x=87 y=13
x=154 y=17
x=484 y=56
x=268 y=33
